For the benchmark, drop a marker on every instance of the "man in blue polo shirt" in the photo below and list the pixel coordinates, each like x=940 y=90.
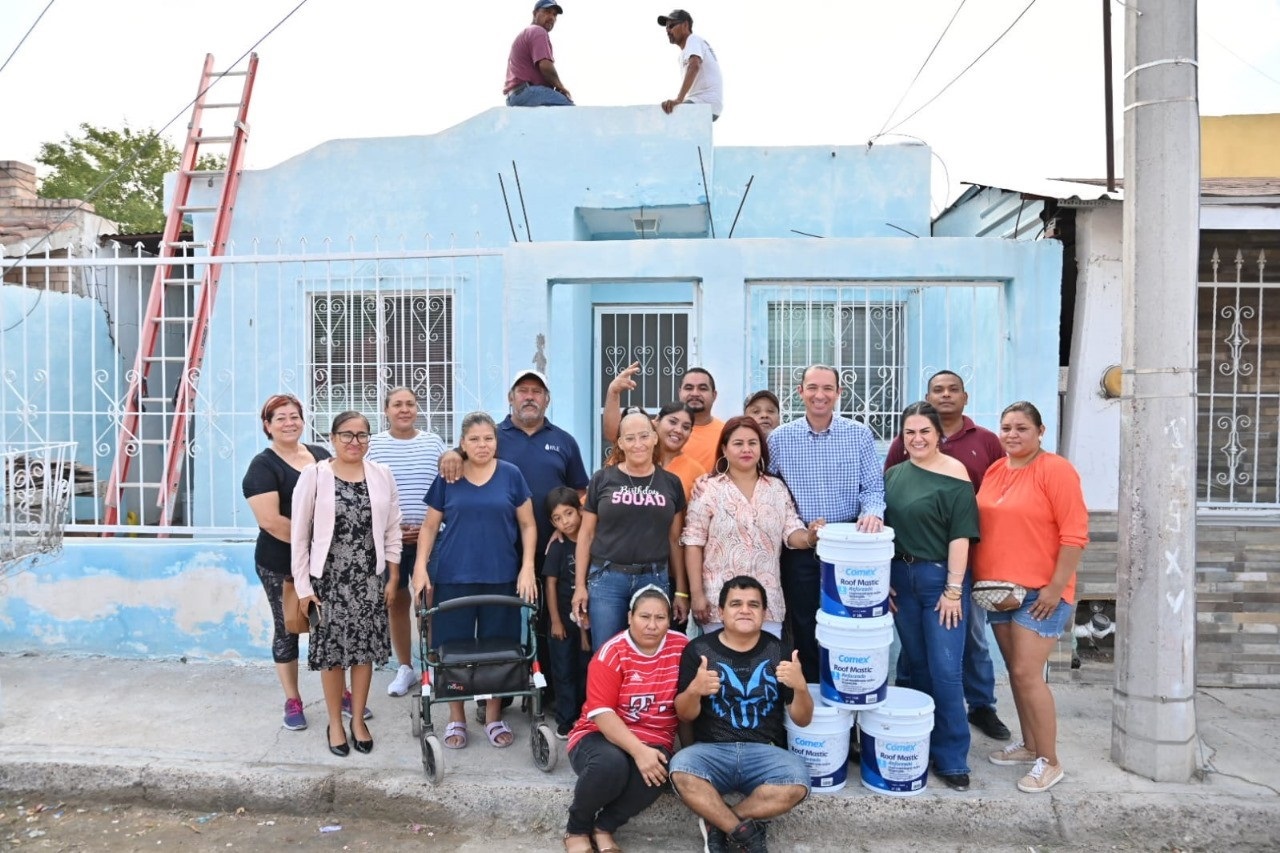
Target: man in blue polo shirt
x=546 y=455
x=832 y=468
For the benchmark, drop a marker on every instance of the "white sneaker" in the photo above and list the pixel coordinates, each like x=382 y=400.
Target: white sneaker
x=1042 y=777
x=404 y=679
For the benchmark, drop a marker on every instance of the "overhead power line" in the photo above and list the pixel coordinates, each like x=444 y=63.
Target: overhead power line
x=965 y=70
x=920 y=70
x=24 y=36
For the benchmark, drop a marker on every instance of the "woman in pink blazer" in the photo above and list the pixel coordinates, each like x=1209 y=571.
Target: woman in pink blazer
x=346 y=562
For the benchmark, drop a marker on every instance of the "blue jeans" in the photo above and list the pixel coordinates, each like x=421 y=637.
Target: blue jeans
x=801 y=589
x=979 y=671
x=740 y=767
x=936 y=654
x=609 y=594
x=538 y=96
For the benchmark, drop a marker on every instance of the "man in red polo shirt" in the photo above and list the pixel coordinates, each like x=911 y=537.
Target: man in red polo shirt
x=976 y=448
x=532 y=79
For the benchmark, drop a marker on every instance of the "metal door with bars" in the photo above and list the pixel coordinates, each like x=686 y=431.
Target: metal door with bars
x=659 y=338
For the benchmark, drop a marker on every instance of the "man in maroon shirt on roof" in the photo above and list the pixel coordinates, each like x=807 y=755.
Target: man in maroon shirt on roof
x=976 y=448
x=532 y=80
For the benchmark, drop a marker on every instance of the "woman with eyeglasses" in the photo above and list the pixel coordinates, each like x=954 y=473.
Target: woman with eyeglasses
x=346 y=564
x=486 y=548
x=629 y=537
x=673 y=427
x=626 y=733
x=268 y=487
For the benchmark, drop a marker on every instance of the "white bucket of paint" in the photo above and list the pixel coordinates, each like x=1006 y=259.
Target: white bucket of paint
x=895 y=743
x=823 y=745
x=853 y=659
x=855 y=570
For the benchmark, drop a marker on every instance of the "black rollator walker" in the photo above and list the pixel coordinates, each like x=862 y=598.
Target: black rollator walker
x=492 y=670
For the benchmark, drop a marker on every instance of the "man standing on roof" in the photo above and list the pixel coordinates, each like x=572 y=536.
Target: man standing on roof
x=532 y=80
x=702 y=83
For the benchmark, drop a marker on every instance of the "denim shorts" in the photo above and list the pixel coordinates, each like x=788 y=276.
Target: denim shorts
x=1050 y=628
x=741 y=767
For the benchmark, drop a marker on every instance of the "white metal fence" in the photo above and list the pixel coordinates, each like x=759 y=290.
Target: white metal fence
x=885 y=339
x=336 y=327
x=1239 y=383
x=36 y=485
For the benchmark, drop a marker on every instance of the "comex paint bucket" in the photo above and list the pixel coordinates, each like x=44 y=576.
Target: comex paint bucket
x=853 y=659
x=895 y=743
x=855 y=570
x=823 y=744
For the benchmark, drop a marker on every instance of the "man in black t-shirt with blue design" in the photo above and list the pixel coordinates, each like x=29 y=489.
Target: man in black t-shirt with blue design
x=735 y=687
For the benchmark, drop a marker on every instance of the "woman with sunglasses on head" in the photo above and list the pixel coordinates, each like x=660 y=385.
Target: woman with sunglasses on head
x=737 y=522
x=622 y=741
x=630 y=533
x=346 y=563
x=268 y=487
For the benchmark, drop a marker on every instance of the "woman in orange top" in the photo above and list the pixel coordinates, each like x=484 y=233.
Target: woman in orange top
x=1034 y=528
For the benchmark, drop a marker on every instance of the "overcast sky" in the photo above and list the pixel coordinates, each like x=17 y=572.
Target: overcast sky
x=796 y=73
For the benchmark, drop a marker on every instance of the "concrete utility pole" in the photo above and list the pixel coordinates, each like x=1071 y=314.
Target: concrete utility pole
x=1153 y=730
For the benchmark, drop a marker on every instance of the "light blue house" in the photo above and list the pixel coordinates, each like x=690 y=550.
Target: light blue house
x=575 y=241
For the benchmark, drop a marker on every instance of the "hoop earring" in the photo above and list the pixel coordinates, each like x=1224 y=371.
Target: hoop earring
x=717 y=467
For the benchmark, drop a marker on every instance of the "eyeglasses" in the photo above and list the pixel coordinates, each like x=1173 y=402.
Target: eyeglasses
x=348 y=437
x=674 y=24
x=632 y=438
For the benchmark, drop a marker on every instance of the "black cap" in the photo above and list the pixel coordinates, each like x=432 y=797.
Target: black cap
x=548 y=4
x=677 y=16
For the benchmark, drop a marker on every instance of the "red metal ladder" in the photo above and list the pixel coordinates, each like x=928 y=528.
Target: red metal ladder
x=179 y=305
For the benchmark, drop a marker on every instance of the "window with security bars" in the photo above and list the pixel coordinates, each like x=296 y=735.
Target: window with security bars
x=863 y=341
x=363 y=344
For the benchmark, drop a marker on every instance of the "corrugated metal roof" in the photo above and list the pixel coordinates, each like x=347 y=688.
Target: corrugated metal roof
x=1218 y=187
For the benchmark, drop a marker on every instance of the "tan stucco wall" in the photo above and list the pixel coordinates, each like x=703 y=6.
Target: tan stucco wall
x=1242 y=146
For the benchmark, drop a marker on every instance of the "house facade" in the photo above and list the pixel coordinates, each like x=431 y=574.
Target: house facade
x=573 y=241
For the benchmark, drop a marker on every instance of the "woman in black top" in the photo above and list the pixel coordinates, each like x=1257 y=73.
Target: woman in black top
x=268 y=486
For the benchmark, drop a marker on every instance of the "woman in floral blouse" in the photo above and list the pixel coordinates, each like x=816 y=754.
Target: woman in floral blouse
x=737 y=521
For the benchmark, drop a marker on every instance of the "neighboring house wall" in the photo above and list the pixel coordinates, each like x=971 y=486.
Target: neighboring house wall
x=1240 y=146
x=1091 y=422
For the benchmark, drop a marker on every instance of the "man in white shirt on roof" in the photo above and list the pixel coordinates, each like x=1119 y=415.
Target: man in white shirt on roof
x=702 y=82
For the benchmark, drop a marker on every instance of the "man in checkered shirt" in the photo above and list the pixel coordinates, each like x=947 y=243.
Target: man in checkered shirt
x=832 y=468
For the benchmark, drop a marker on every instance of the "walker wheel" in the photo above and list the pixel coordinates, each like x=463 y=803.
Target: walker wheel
x=432 y=758
x=542 y=742
x=415 y=714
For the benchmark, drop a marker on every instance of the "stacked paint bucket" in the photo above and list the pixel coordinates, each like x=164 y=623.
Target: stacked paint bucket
x=855 y=631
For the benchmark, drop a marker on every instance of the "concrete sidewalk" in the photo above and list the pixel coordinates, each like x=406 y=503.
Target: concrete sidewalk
x=208 y=737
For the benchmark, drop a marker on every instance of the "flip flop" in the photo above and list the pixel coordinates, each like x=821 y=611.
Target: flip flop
x=455 y=730
x=496 y=730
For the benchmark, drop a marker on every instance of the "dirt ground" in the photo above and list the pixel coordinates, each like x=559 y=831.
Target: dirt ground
x=66 y=826
x=30 y=825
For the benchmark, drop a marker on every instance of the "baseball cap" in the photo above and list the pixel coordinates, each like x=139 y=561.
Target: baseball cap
x=764 y=394
x=519 y=377
x=548 y=4
x=677 y=16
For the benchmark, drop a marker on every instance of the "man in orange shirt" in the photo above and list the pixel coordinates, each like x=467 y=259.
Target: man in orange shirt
x=697 y=392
